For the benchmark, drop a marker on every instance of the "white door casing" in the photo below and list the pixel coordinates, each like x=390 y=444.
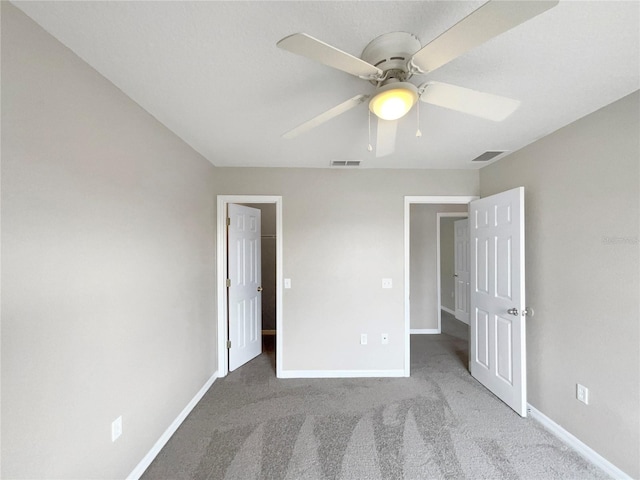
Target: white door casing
x=461 y=269
x=244 y=292
x=497 y=333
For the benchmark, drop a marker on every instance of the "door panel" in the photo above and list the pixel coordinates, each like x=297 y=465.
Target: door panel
x=482 y=338
x=498 y=347
x=244 y=297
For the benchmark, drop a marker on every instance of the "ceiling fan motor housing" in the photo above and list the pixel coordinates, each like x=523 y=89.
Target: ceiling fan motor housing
x=391 y=53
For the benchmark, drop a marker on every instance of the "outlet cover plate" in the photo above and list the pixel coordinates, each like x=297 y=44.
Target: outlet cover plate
x=582 y=394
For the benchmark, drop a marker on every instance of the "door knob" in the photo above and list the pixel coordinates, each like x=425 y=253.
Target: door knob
x=513 y=311
x=528 y=312
x=259 y=289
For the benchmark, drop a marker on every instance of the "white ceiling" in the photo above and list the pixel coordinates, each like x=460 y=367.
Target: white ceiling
x=211 y=72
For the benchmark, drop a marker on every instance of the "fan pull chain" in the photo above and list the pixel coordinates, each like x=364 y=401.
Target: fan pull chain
x=418 y=132
x=369 y=147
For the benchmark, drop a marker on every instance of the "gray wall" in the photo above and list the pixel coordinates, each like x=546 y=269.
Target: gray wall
x=423 y=263
x=268 y=264
x=343 y=233
x=108 y=292
x=582 y=214
x=447 y=263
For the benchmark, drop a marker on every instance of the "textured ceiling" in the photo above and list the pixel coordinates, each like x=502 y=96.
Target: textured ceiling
x=211 y=72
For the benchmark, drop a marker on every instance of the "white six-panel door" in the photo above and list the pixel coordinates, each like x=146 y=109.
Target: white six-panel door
x=497 y=332
x=461 y=269
x=244 y=273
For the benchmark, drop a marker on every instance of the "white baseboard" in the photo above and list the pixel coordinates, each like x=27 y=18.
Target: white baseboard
x=584 y=450
x=424 y=331
x=448 y=310
x=340 y=373
x=164 y=438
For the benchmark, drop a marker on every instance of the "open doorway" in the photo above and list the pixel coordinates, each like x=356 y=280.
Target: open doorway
x=272 y=206
x=421 y=263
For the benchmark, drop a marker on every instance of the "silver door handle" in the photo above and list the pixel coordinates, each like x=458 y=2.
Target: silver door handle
x=513 y=311
x=259 y=289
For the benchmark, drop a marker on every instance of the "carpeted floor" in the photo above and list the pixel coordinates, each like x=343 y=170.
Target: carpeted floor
x=439 y=423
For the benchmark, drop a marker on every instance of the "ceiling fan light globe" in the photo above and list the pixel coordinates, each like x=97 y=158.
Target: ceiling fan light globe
x=394 y=103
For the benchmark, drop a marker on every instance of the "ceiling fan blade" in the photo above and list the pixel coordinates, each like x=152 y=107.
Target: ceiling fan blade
x=386 y=137
x=326 y=116
x=488 y=21
x=465 y=100
x=322 y=52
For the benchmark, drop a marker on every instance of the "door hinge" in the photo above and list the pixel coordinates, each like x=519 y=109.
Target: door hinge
x=228 y=282
x=228 y=343
x=228 y=221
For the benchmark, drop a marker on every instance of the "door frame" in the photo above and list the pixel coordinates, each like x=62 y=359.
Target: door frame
x=408 y=201
x=221 y=276
x=440 y=215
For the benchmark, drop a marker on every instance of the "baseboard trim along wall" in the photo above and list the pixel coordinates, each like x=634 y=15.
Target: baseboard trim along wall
x=584 y=450
x=340 y=373
x=164 y=438
x=448 y=310
x=424 y=331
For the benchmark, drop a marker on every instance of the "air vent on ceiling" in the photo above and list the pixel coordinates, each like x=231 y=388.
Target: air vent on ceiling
x=486 y=156
x=345 y=163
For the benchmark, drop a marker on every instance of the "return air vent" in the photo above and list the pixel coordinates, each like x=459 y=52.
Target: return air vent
x=345 y=163
x=486 y=156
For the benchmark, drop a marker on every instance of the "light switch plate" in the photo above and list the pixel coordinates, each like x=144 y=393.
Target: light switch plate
x=287 y=283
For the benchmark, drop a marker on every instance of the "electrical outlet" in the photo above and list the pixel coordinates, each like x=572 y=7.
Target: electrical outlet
x=387 y=283
x=582 y=394
x=116 y=428
x=385 y=338
x=363 y=339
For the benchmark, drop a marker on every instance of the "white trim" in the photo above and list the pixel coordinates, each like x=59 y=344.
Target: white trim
x=424 y=331
x=223 y=200
x=408 y=201
x=449 y=311
x=340 y=373
x=440 y=215
x=583 y=449
x=137 y=472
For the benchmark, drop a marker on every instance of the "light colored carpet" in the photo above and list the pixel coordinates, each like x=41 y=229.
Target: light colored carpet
x=439 y=423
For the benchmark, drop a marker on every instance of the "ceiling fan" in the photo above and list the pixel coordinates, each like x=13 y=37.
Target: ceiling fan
x=392 y=59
